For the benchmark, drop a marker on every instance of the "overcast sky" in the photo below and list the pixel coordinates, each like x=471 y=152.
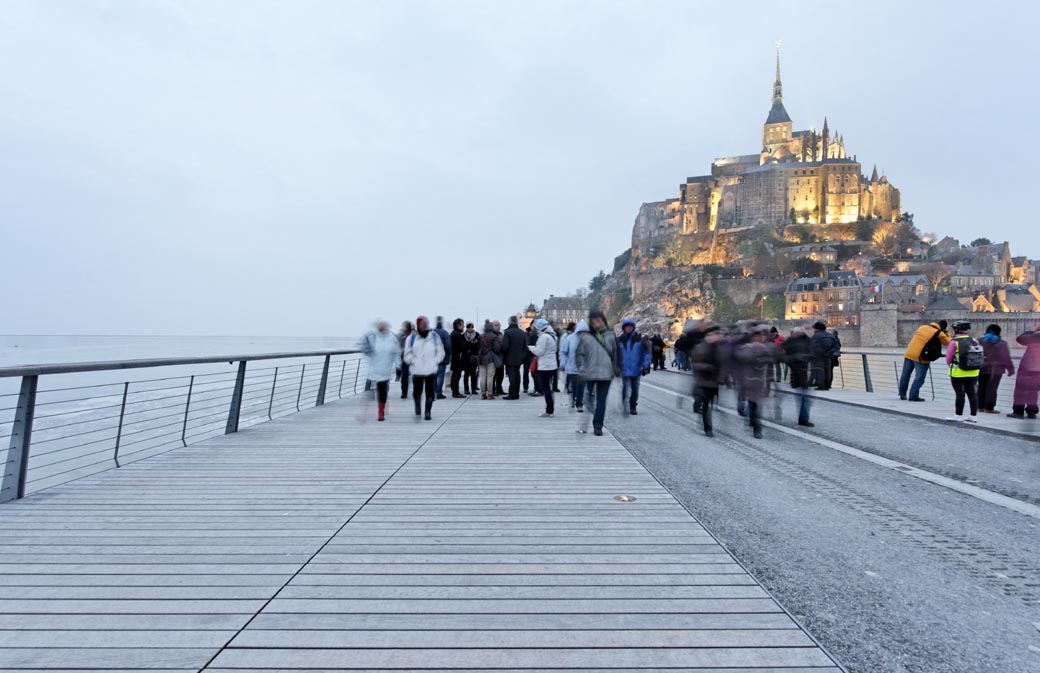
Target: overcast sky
x=298 y=168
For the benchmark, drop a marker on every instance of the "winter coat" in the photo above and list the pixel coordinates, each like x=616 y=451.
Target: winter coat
x=423 y=355
x=998 y=356
x=545 y=350
x=706 y=359
x=824 y=346
x=658 y=344
x=597 y=360
x=459 y=351
x=491 y=348
x=1030 y=363
x=445 y=342
x=472 y=348
x=755 y=360
x=514 y=346
x=635 y=352
x=384 y=354
x=569 y=348
x=798 y=355
x=922 y=336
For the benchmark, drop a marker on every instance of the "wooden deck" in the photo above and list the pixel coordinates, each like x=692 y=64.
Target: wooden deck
x=485 y=539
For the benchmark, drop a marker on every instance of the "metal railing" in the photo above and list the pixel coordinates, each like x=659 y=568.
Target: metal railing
x=75 y=428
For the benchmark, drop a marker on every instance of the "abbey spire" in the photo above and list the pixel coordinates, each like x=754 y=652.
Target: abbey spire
x=777 y=113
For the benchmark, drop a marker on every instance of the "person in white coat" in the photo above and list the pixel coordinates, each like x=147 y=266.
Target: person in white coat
x=545 y=350
x=423 y=353
x=384 y=354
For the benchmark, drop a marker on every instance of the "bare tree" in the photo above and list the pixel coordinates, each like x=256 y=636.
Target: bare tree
x=937 y=272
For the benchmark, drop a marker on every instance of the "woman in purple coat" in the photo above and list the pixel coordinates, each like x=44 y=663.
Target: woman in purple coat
x=1028 y=384
x=998 y=362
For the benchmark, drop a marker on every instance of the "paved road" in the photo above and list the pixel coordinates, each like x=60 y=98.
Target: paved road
x=890 y=572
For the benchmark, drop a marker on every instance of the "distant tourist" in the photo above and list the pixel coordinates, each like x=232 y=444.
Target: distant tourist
x=472 y=358
x=443 y=367
x=798 y=356
x=598 y=362
x=406 y=331
x=568 y=351
x=423 y=353
x=928 y=345
x=1028 y=384
x=384 y=356
x=825 y=348
x=778 y=341
x=965 y=358
x=706 y=359
x=532 y=339
x=490 y=357
x=755 y=359
x=658 y=344
x=514 y=352
x=459 y=357
x=635 y=363
x=545 y=353
x=500 y=370
x=997 y=363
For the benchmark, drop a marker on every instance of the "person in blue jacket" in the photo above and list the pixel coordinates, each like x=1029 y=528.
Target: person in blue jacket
x=635 y=363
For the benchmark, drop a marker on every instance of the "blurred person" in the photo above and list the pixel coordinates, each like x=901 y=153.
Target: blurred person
x=1027 y=386
x=532 y=339
x=556 y=372
x=778 y=341
x=706 y=360
x=635 y=354
x=459 y=357
x=514 y=352
x=500 y=370
x=490 y=357
x=965 y=358
x=472 y=358
x=423 y=353
x=545 y=350
x=927 y=345
x=575 y=389
x=998 y=362
x=797 y=352
x=658 y=346
x=406 y=331
x=598 y=362
x=384 y=355
x=825 y=349
x=443 y=368
x=756 y=358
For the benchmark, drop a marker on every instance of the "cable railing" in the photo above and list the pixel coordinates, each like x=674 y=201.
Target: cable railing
x=70 y=429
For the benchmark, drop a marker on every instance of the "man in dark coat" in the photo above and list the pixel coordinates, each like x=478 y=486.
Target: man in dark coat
x=514 y=351
x=532 y=339
x=824 y=347
x=442 y=369
x=459 y=356
x=658 y=345
x=798 y=355
x=706 y=359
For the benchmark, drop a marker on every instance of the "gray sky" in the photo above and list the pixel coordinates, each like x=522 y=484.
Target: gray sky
x=298 y=168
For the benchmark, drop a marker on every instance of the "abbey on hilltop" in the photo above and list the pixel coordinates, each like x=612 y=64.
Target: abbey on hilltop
x=804 y=177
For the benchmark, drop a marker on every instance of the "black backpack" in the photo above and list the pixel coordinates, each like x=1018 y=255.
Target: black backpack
x=970 y=355
x=932 y=350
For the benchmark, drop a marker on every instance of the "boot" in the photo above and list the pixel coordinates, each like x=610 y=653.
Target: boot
x=382 y=411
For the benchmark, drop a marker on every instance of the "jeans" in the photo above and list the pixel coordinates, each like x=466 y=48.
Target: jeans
x=576 y=389
x=423 y=384
x=804 y=404
x=965 y=386
x=513 y=372
x=989 y=383
x=920 y=372
x=545 y=378
x=754 y=416
x=439 y=385
x=597 y=392
x=630 y=391
x=487 y=379
x=404 y=380
x=704 y=397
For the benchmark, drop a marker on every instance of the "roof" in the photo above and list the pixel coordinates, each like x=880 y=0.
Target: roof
x=1019 y=302
x=895 y=280
x=810 y=248
x=946 y=302
x=777 y=114
x=565 y=304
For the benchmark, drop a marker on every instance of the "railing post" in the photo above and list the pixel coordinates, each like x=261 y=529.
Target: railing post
x=931 y=382
x=866 y=374
x=324 y=382
x=187 y=406
x=119 y=432
x=357 y=374
x=274 y=384
x=236 y=399
x=17 y=465
x=300 y=390
x=342 y=372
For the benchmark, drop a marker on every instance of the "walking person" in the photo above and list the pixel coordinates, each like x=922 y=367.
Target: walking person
x=423 y=353
x=824 y=348
x=598 y=362
x=459 y=357
x=927 y=345
x=778 y=340
x=490 y=359
x=402 y=337
x=797 y=356
x=443 y=367
x=965 y=358
x=706 y=360
x=998 y=362
x=472 y=358
x=568 y=350
x=635 y=364
x=756 y=358
x=384 y=355
x=545 y=350
x=1027 y=385
x=514 y=352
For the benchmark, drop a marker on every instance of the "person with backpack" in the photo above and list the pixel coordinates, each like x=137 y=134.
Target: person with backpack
x=490 y=360
x=423 y=353
x=635 y=363
x=928 y=345
x=1027 y=387
x=545 y=350
x=997 y=363
x=965 y=358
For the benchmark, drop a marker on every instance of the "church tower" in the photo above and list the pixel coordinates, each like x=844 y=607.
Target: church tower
x=776 y=133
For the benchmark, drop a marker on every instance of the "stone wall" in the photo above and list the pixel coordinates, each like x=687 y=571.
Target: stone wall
x=744 y=291
x=1011 y=324
x=878 y=326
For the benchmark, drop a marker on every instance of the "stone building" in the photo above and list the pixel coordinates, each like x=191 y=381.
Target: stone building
x=824 y=254
x=561 y=310
x=834 y=299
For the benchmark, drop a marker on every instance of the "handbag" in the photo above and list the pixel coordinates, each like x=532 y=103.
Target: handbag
x=534 y=365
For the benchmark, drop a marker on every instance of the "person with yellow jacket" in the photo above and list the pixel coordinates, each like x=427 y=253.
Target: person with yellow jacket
x=965 y=358
x=928 y=345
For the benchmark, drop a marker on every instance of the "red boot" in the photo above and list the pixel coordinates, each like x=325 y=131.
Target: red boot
x=382 y=411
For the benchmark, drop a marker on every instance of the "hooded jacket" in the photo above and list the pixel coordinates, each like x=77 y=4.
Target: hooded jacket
x=514 y=346
x=1030 y=364
x=998 y=357
x=569 y=348
x=596 y=356
x=922 y=336
x=798 y=355
x=384 y=354
x=423 y=355
x=824 y=346
x=635 y=352
x=545 y=349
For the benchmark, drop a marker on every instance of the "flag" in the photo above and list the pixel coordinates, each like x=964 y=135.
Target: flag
x=759 y=304
x=874 y=289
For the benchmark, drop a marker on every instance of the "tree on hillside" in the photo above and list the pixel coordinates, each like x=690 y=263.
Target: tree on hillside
x=882 y=265
x=598 y=281
x=936 y=272
x=906 y=218
x=865 y=230
x=807 y=268
x=981 y=241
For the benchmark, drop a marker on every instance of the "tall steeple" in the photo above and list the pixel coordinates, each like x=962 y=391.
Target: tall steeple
x=777 y=113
